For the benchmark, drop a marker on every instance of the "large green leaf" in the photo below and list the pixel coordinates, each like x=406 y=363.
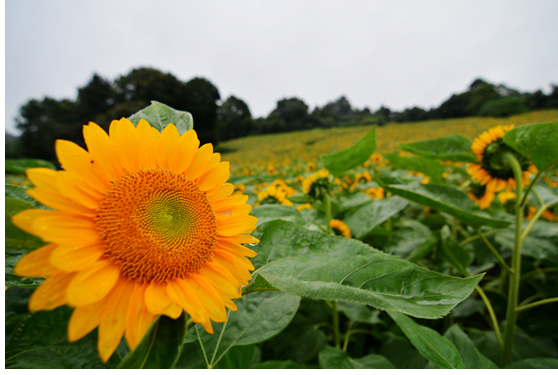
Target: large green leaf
x=538 y=142
x=160 y=347
x=401 y=353
x=429 y=343
x=352 y=156
x=535 y=363
x=311 y=264
x=19 y=166
x=471 y=357
x=278 y=365
x=452 y=252
x=260 y=316
x=40 y=341
x=429 y=167
x=450 y=148
x=446 y=199
x=268 y=212
x=533 y=247
x=359 y=313
x=364 y=219
x=407 y=237
x=333 y=358
x=238 y=357
x=159 y=115
x=18 y=192
x=547 y=194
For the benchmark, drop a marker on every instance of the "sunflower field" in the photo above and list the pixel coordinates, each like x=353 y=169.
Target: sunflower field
x=357 y=248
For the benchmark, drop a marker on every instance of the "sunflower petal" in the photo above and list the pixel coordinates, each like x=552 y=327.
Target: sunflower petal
x=51 y=293
x=92 y=284
x=84 y=320
x=36 y=263
x=139 y=318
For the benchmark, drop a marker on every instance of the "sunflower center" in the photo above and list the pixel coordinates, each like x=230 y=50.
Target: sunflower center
x=156 y=225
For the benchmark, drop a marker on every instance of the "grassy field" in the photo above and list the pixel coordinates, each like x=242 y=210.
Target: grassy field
x=283 y=149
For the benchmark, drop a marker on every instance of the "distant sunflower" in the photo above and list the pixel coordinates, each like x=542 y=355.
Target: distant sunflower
x=375 y=192
x=143 y=224
x=491 y=170
x=480 y=195
x=317 y=183
x=340 y=227
x=274 y=194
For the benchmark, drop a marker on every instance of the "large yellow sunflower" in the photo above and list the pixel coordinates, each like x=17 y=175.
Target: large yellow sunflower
x=491 y=171
x=143 y=224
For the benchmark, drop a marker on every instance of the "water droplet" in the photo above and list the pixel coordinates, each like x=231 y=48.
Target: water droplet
x=253 y=244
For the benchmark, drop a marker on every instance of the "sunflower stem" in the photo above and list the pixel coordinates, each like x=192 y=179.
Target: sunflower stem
x=515 y=277
x=327 y=203
x=538 y=303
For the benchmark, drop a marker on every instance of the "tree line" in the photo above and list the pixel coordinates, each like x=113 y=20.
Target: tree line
x=102 y=100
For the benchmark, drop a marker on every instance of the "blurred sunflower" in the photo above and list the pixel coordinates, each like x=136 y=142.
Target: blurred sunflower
x=492 y=170
x=304 y=206
x=340 y=227
x=375 y=192
x=142 y=224
x=273 y=194
x=480 y=195
x=317 y=184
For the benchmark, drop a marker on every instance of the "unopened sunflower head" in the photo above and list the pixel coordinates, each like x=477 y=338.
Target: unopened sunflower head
x=492 y=170
x=273 y=194
x=340 y=228
x=142 y=224
x=480 y=195
x=317 y=184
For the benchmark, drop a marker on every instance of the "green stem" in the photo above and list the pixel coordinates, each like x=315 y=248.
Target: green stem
x=335 y=324
x=347 y=335
x=495 y=325
x=515 y=277
x=472 y=238
x=539 y=270
x=327 y=203
x=494 y=251
x=538 y=303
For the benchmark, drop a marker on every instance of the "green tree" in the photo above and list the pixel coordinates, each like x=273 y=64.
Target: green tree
x=234 y=119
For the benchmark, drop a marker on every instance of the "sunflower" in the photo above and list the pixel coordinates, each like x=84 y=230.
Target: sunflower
x=274 y=194
x=375 y=192
x=340 y=227
x=481 y=195
x=505 y=196
x=304 y=206
x=316 y=183
x=142 y=224
x=491 y=170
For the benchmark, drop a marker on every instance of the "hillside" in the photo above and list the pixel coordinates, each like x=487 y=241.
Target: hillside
x=286 y=148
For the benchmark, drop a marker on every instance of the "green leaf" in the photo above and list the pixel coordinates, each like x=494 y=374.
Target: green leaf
x=429 y=343
x=19 y=166
x=351 y=157
x=311 y=264
x=268 y=212
x=40 y=341
x=159 y=115
x=160 y=347
x=446 y=199
x=359 y=313
x=487 y=344
x=537 y=142
x=535 y=363
x=402 y=354
x=450 y=148
x=190 y=358
x=547 y=194
x=278 y=365
x=18 y=192
x=533 y=247
x=333 y=358
x=452 y=253
x=238 y=357
x=407 y=237
x=425 y=248
x=471 y=357
x=260 y=316
x=429 y=167
x=364 y=219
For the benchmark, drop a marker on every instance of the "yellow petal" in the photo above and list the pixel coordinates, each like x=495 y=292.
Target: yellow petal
x=168 y=138
x=213 y=160
x=208 y=297
x=173 y=311
x=75 y=159
x=229 y=203
x=52 y=292
x=139 y=318
x=149 y=137
x=36 y=263
x=84 y=319
x=76 y=256
x=236 y=248
x=103 y=150
x=220 y=192
x=60 y=203
x=53 y=226
x=182 y=153
x=92 y=284
x=201 y=156
x=156 y=298
x=43 y=179
x=113 y=318
x=215 y=176
x=126 y=141
x=237 y=225
x=183 y=296
x=77 y=189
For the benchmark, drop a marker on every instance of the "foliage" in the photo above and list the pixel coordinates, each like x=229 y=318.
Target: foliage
x=422 y=284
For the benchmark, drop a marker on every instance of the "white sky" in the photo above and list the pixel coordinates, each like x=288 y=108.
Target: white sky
x=396 y=53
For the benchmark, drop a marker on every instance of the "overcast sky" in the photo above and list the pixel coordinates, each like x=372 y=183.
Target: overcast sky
x=396 y=53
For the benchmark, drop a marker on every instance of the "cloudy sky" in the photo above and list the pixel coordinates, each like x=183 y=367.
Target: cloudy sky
x=396 y=53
